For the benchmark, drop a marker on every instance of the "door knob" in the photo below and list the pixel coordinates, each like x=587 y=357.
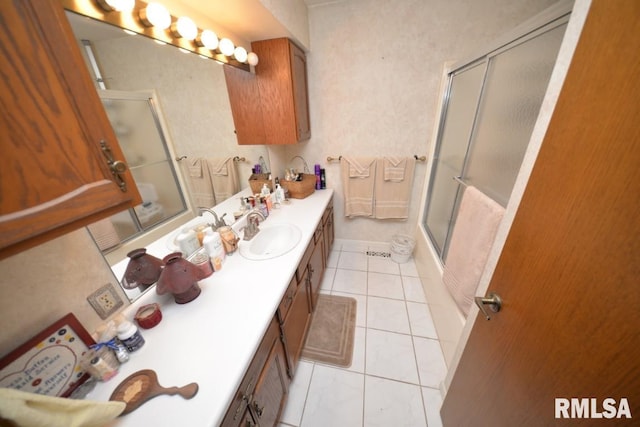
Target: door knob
x=494 y=302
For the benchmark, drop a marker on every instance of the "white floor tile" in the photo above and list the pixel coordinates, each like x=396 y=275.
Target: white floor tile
x=432 y=404
x=353 y=261
x=335 y=398
x=383 y=265
x=332 y=261
x=385 y=285
x=354 y=246
x=390 y=355
x=388 y=315
x=408 y=268
x=357 y=362
x=361 y=308
x=420 y=320
x=431 y=366
x=327 y=279
x=350 y=281
x=413 y=290
x=391 y=403
x=292 y=413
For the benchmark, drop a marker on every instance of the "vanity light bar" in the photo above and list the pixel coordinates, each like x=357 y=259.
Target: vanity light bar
x=154 y=20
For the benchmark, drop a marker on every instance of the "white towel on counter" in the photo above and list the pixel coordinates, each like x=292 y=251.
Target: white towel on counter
x=473 y=234
x=393 y=195
x=358 y=181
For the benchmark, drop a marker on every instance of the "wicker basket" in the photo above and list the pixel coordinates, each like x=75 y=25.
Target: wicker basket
x=257 y=181
x=300 y=189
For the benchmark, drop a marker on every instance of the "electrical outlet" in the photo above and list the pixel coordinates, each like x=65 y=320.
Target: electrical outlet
x=105 y=301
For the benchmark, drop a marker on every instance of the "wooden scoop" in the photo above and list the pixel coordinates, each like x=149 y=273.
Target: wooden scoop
x=142 y=386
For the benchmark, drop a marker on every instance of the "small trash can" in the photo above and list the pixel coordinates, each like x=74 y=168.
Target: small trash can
x=401 y=248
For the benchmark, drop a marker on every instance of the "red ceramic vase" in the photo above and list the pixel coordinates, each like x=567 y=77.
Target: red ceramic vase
x=142 y=271
x=180 y=278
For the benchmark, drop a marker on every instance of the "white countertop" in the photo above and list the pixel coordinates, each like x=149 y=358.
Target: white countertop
x=212 y=339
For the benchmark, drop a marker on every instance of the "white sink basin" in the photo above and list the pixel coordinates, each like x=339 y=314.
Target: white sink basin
x=271 y=242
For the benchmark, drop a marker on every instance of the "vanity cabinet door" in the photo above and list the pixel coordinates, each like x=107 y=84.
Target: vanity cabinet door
x=329 y=232
x=270 y=394
x=54 y=175
x=315 y=270
x=296 y=323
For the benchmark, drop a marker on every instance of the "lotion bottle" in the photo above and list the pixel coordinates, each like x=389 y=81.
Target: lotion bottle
x=212 y=243
x=188 y=242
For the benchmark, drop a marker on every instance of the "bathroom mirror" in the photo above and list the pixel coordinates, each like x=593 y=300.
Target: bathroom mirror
x=191 y=94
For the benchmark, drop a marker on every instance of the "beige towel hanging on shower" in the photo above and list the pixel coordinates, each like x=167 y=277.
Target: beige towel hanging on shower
x=394 y=182
x=473 y=234
x=358 y=181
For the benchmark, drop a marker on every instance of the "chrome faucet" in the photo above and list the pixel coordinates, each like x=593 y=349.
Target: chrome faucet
x=253 y=220
x=217 y=222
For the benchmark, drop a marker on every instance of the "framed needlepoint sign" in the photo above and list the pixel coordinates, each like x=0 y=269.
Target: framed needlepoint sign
x=49 y=363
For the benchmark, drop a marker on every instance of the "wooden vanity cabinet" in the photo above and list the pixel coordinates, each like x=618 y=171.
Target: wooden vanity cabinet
x=272 y=105
x=263 y=390
x=329 y=231
x=294 y=320
x=315 y=267
x=54 y=175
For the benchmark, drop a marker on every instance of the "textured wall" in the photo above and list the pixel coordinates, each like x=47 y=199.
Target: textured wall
x=375 y=69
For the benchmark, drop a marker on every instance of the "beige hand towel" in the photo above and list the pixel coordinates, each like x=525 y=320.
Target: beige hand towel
x=358 y=182
x=392 y=197
x=473 y=234
x=224 y=178
x=394 y=168
x=200 y=186
x=30 y=409
x=104 y=233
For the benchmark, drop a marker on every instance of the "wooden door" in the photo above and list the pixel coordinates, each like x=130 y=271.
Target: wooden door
x=270 y=394
x=569 y=274
x=246 y=109
x=54 y=177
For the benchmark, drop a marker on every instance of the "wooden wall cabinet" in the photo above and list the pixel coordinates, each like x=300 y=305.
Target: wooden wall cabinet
x=54 y=175
x=272 y=105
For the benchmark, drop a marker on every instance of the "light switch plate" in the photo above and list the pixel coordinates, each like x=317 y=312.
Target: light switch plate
x=105 y=301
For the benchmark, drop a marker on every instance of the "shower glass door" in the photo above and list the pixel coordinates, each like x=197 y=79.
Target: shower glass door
x=489 y=113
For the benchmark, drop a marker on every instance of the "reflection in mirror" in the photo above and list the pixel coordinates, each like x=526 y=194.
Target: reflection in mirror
x=191 y=94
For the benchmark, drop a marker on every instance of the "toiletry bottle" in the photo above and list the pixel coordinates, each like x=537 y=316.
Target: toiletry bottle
x=130 y=336
x=317 y=173
x=265 y=190
x=188 y=242
x=279 y=194
x=214 y=247
x=323 y=179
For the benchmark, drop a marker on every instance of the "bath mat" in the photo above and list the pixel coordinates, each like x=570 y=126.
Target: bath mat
x=331 y=334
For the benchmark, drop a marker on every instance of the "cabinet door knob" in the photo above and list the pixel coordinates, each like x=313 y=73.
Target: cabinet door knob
x=117 y=167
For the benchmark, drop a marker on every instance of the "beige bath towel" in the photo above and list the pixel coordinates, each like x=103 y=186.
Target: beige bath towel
x=392 y=196
x=199 y=182
x=224 y=177
x=473 y=235
x=394 y=168
x=358 y=182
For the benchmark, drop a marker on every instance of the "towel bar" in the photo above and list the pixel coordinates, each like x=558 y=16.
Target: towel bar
x=415 y=156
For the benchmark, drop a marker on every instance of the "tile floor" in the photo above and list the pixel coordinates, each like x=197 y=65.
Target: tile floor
x=397 y=362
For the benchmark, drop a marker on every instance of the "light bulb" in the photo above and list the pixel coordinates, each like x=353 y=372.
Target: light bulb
x=185 y=27
x=155 y=15
x=226 y=47
x=240 y=54
x=208 y=39
x=252 y=59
